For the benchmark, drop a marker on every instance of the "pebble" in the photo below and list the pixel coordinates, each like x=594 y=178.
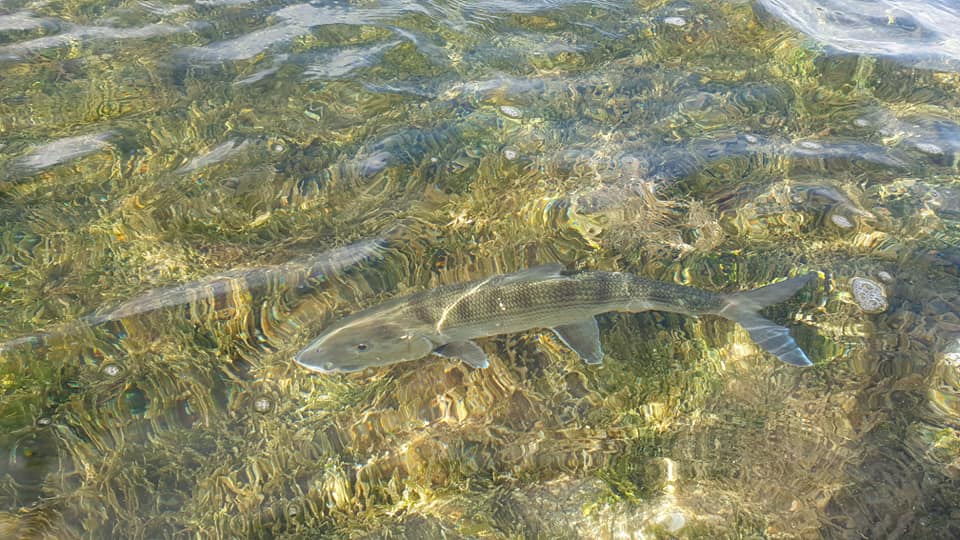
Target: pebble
x=630 y=161
x=841 y=221
x=262 y=404
x=929 y=148
x=111 y=370
x=952 y=354
x=672 y=522
x=861 y=122
x=885 y=276
x=510 y=155
x=675 y=21
x=869 y=295
x=511 y=111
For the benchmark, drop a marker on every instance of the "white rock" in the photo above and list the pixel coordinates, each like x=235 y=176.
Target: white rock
x=841 y=221
x=869 y=295
x=511 y=111
x=929 y=148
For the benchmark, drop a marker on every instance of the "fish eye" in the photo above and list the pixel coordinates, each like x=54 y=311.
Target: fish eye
x=362 y=347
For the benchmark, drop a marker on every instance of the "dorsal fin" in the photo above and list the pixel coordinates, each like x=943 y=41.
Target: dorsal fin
x=541 y=272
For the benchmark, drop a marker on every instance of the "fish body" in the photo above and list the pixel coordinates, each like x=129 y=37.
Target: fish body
x=217 y=292
x=446 y=320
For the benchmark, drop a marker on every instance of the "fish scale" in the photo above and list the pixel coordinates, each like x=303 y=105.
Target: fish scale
x=520 y=305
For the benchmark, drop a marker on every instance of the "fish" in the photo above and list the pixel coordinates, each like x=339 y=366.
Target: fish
x=446 y=320
x=222 y=290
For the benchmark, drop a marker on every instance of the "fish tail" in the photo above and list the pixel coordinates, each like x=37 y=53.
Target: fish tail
x=47 y=338
x=743 y=307
x=32 y=341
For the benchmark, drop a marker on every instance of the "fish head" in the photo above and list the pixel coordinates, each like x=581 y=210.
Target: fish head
x=359 y=344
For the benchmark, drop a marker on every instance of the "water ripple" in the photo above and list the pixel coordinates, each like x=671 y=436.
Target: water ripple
x=924 y=33
x=61 y=151
x=177 y=174
x=73 y=33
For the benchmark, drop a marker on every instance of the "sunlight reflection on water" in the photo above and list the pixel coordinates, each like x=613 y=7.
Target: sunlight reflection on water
x=924 y=33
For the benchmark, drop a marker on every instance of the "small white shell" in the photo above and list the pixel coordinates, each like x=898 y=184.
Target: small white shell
x=869 y=295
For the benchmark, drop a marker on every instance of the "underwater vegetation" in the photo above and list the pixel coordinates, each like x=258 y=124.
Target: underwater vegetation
x=192 y=192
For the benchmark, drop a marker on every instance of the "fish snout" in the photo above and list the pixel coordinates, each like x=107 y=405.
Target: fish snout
x=314 y=360
x=320 y=363
x=303 y=360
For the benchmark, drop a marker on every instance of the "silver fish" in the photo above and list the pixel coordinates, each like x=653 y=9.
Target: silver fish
x=444 y=321
x=226 y=289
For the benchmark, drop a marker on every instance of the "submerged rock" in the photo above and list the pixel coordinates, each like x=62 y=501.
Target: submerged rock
x=511 y=111
x=869 y=295
x=841 y=221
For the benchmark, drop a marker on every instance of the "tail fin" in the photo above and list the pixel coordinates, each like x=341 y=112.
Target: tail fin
x=743 y=308
x=46 y=338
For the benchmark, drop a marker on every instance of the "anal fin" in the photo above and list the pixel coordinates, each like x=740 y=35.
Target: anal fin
x=584 y=338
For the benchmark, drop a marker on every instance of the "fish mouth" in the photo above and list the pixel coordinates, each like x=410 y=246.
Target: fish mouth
x=324 y=366
x=303 y=359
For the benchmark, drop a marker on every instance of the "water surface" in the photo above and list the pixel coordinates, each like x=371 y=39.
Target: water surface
x=191 y=191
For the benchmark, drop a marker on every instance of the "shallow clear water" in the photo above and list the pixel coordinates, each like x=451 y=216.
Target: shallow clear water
x=189 y=192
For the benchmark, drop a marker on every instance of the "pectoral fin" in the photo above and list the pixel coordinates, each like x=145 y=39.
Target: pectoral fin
x=584 y=338
x=467 y=351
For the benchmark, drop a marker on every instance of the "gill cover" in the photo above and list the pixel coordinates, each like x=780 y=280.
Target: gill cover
x=361 y=344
